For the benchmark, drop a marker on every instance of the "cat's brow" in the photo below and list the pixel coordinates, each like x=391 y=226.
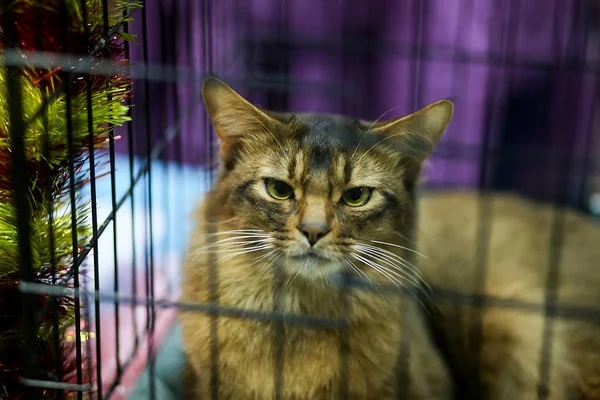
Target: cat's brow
x=291 y=167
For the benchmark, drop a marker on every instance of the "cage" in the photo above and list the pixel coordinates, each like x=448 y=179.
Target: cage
x=523 y=75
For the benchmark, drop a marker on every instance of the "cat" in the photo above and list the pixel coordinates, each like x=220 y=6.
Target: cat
x=301 y=201
x=497 y=348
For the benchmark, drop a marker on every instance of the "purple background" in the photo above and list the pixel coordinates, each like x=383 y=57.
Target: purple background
x=520 y=72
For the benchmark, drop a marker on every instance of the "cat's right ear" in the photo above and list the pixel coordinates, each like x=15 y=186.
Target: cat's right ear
x=233 y=117
x=417 y=134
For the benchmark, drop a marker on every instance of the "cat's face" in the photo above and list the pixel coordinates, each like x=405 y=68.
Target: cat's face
x=318 y=192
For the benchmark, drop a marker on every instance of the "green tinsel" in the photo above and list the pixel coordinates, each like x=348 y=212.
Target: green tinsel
x=39 y=29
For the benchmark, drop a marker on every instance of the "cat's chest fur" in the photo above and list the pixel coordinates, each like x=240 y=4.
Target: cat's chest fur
x=305 y=350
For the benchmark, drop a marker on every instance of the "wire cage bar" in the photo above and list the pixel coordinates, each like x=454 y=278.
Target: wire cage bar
x=523 y=75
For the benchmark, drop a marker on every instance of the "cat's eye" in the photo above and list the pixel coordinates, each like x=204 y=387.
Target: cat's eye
x=357 y=197
x=278 y=189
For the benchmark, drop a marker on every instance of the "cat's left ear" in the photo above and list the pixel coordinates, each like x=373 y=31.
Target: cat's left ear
x=234 y=118
x=417 y=134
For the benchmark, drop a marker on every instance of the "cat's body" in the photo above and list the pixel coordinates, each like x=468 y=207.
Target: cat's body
x=247 y=346
x=302 y=199
x=518 y=240
x=307 y=197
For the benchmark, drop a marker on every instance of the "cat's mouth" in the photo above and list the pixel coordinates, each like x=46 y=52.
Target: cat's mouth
x=310 y=255
x=312 y=264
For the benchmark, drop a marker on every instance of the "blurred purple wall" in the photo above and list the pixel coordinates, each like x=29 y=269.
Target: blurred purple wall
x=366 y=58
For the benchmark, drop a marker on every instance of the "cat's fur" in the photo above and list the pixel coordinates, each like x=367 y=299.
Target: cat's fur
x=318 y=155
x=516 y=241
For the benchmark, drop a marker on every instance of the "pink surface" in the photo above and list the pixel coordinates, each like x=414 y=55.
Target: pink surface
x=164 y=321
x=131 y=320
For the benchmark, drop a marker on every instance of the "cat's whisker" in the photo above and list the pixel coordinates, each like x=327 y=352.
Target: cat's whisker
x=393 y=270
x=222 y=222
x=369 y=130
x=269 y=131
x=354 y=267
x=236 y=232
x=375 y=145
x=404 y=237
x=399 y=246
x=234 y=243
x=382 y=270
x=236 y=252
x=236 y=237
x=387 y=273
x=265 y=267
x=275 y=257
x=401 y=133
x=232 y=249
x=418 y=281
x=358 y=271
x=239 y=237
x=295 y=276
x=389 y=261
x=242 y=246
x=251 y=250
x=244 y=235
x=262 y=257
x=410 y=266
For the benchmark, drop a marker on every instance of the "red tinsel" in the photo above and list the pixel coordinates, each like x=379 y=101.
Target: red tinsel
x=49 y=37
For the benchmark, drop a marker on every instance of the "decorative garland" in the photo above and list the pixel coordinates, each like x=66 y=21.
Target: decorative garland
x=40 y=28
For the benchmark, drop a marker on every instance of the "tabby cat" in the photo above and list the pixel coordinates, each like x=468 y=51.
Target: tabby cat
x=302 y=204
x=499 y=352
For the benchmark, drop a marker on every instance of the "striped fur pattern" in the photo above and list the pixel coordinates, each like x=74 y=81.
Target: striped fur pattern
x=264 y=262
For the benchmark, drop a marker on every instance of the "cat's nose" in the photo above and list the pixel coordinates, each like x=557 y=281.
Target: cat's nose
x=313 y=232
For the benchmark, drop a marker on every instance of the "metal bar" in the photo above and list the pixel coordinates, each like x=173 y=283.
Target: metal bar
x=158 y=149
x=149 y=278
x=278 y=278
x=161 y=73
x=213 y=278
x=344 y=389
x=93 y=204
x=115 y=383
x=419 y=37
x=206 y=308
x=484 y=211
x=38 y=383
x=56 y=341
x=62 y=87
x=72 y=193
x=132 y=182
x=557 y=231
x=20 y=182
x=585 y=313
x=113 y=197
